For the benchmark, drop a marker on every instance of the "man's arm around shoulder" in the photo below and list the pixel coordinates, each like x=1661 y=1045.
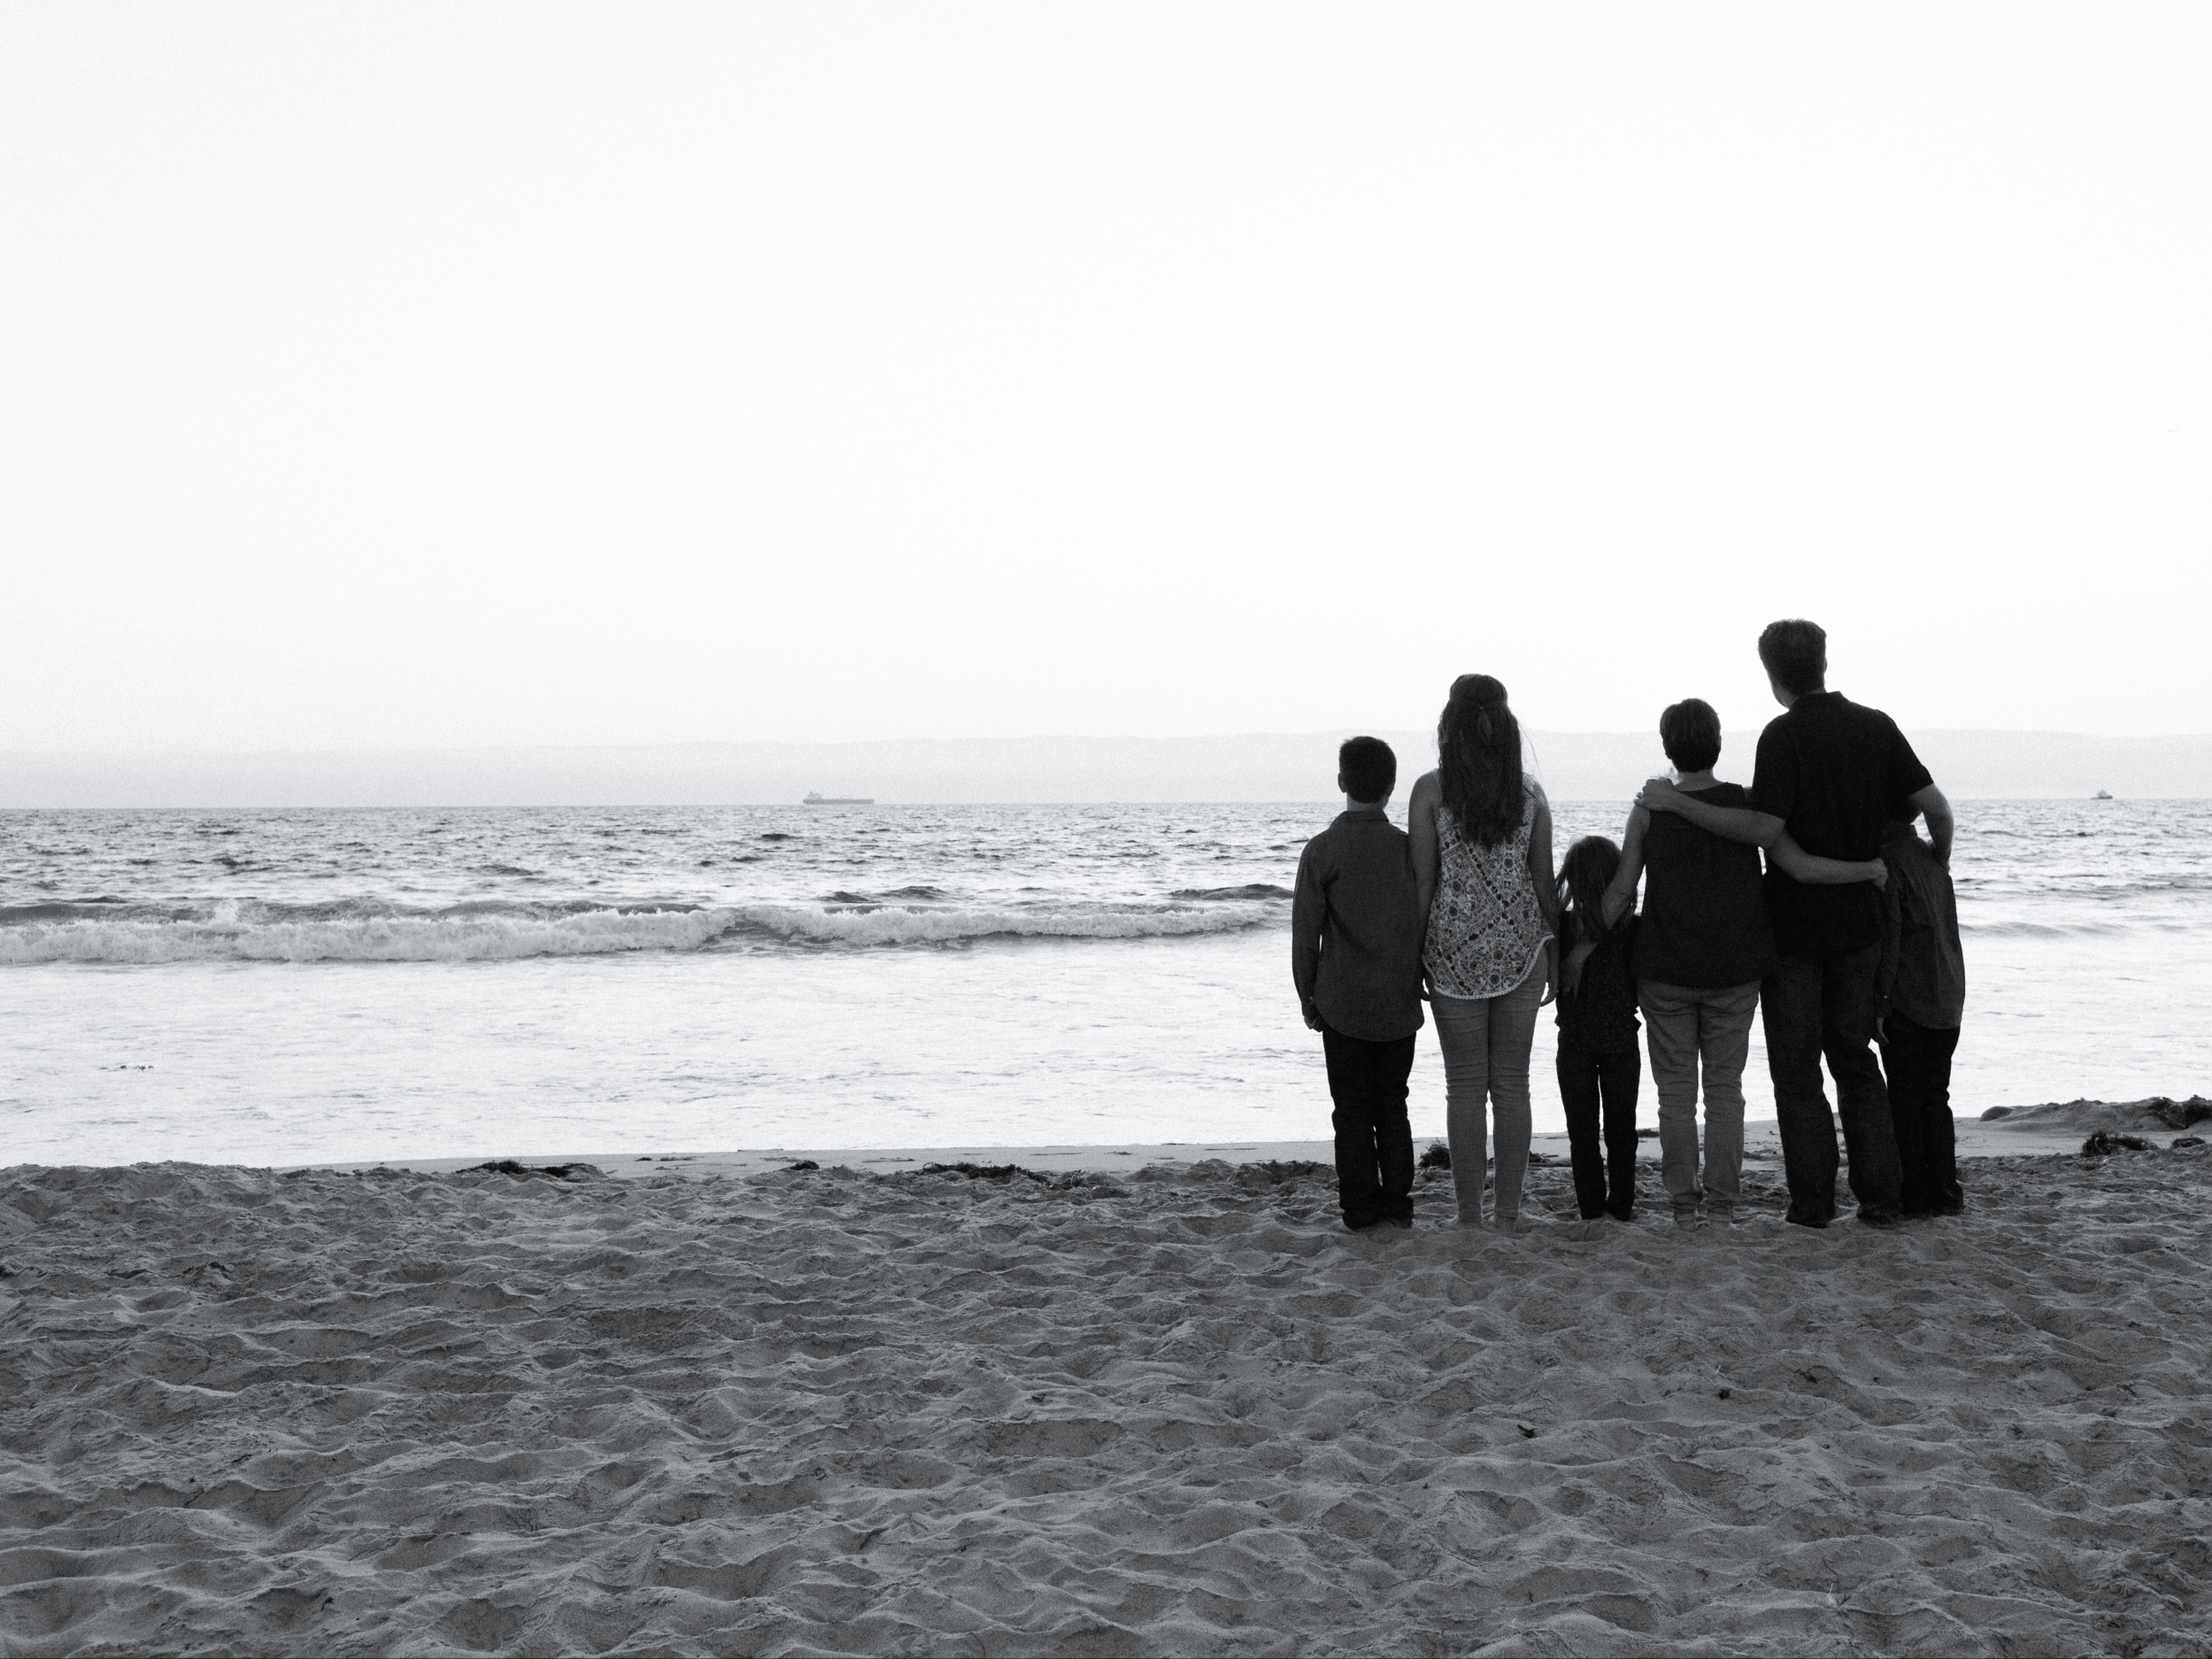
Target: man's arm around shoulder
x=1730 y=823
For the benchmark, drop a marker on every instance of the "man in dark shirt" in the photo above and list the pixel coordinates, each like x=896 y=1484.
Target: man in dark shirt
x=1355 y=958
x=1831 y=774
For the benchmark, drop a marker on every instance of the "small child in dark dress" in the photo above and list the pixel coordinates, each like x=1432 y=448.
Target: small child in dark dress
x=1599 y=1069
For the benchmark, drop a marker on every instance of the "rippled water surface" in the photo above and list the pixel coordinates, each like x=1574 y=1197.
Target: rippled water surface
x=286 y=986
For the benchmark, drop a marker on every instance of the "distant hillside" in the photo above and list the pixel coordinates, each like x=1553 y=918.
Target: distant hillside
x=1575 y=766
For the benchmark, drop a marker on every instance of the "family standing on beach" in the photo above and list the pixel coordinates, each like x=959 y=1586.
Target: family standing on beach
x=1847 y=939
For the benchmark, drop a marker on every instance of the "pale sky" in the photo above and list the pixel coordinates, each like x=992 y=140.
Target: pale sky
x=388 y=375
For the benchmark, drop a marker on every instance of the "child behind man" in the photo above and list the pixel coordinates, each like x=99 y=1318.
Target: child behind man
x=1600 y=1069
x=1920 y=996
x=1355 y=958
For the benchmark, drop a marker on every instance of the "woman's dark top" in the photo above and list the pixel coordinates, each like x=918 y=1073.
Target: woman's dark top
x=1599 y=1013
x=1705 y=907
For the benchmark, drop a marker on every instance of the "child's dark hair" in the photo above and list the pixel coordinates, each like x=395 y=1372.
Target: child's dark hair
x=1583 y=876
x=1690 y=732
x=1369 y=767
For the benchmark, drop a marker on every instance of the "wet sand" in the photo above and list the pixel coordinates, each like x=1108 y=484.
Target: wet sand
x=1159 y=1405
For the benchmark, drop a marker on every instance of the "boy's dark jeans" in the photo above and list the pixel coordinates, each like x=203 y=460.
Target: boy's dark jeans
x=1374 y=1143
x=1917 y=1059
x=1593 y=1086
x=1816 y=1005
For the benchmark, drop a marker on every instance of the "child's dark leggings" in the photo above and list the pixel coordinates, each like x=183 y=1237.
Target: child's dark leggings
x=1604 y=1185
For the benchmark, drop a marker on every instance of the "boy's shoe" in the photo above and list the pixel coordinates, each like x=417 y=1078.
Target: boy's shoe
x=1688 y=1218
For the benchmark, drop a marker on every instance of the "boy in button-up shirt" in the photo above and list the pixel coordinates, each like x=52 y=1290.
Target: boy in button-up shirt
x=1355 y=958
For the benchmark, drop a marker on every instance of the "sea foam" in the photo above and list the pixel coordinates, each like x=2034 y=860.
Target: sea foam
x=507 y=933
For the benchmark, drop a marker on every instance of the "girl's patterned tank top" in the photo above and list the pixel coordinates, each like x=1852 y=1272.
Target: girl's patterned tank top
x=1485 y=926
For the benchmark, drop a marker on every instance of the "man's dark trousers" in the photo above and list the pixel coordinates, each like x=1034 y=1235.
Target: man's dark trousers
x=1917 y=1059
x=1814 y=1006
x=1374 y=1143
x=1600 y=1089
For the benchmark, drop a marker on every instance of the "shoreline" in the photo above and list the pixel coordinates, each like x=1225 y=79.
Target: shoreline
x=2048 y=1130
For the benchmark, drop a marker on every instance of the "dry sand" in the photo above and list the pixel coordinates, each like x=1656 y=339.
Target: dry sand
x=1172 y=1409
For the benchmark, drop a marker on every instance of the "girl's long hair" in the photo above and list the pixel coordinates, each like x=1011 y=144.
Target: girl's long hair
x=1478 y=760
x=1587 y=871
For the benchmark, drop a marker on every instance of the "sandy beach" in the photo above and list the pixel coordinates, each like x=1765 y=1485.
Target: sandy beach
x=1145 y=1400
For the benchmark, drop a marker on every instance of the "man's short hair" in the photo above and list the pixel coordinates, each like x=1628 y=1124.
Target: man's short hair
x=1370 y=767
x=1795 y=652
x=1690 y=731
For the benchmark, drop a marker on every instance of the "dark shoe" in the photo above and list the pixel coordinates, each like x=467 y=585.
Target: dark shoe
x=1879 y=1217
x=1370 y=1224
x=1797 y=1218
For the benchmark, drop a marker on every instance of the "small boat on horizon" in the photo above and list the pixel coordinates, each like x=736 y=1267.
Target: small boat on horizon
x=2102 y=794
x=815 y=797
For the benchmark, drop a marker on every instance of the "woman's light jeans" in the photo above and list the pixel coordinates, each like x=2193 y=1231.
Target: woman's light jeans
x=1683 y=1026
x=1485 y=1042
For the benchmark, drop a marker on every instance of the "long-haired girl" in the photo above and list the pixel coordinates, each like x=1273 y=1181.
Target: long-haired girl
x=1482 y=845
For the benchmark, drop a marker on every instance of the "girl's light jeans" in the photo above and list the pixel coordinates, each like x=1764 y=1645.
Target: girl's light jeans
x=1485 y=1042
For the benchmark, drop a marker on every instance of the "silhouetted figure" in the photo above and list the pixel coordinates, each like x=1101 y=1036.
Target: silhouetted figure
x=1920 y=998
x=1702 y=951
x=1355 y=958
x=1830 y=773
x=1481 y=838
x=1599 y=1070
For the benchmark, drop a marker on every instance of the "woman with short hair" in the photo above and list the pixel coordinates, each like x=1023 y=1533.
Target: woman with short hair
x=1481 y=848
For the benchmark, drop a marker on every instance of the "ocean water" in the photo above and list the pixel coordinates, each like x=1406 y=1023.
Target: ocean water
x=278 y=987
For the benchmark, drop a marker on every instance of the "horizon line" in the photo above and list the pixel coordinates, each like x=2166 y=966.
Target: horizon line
x=837 y=742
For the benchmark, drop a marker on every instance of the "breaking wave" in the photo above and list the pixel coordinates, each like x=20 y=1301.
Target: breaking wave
x=360 y=931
